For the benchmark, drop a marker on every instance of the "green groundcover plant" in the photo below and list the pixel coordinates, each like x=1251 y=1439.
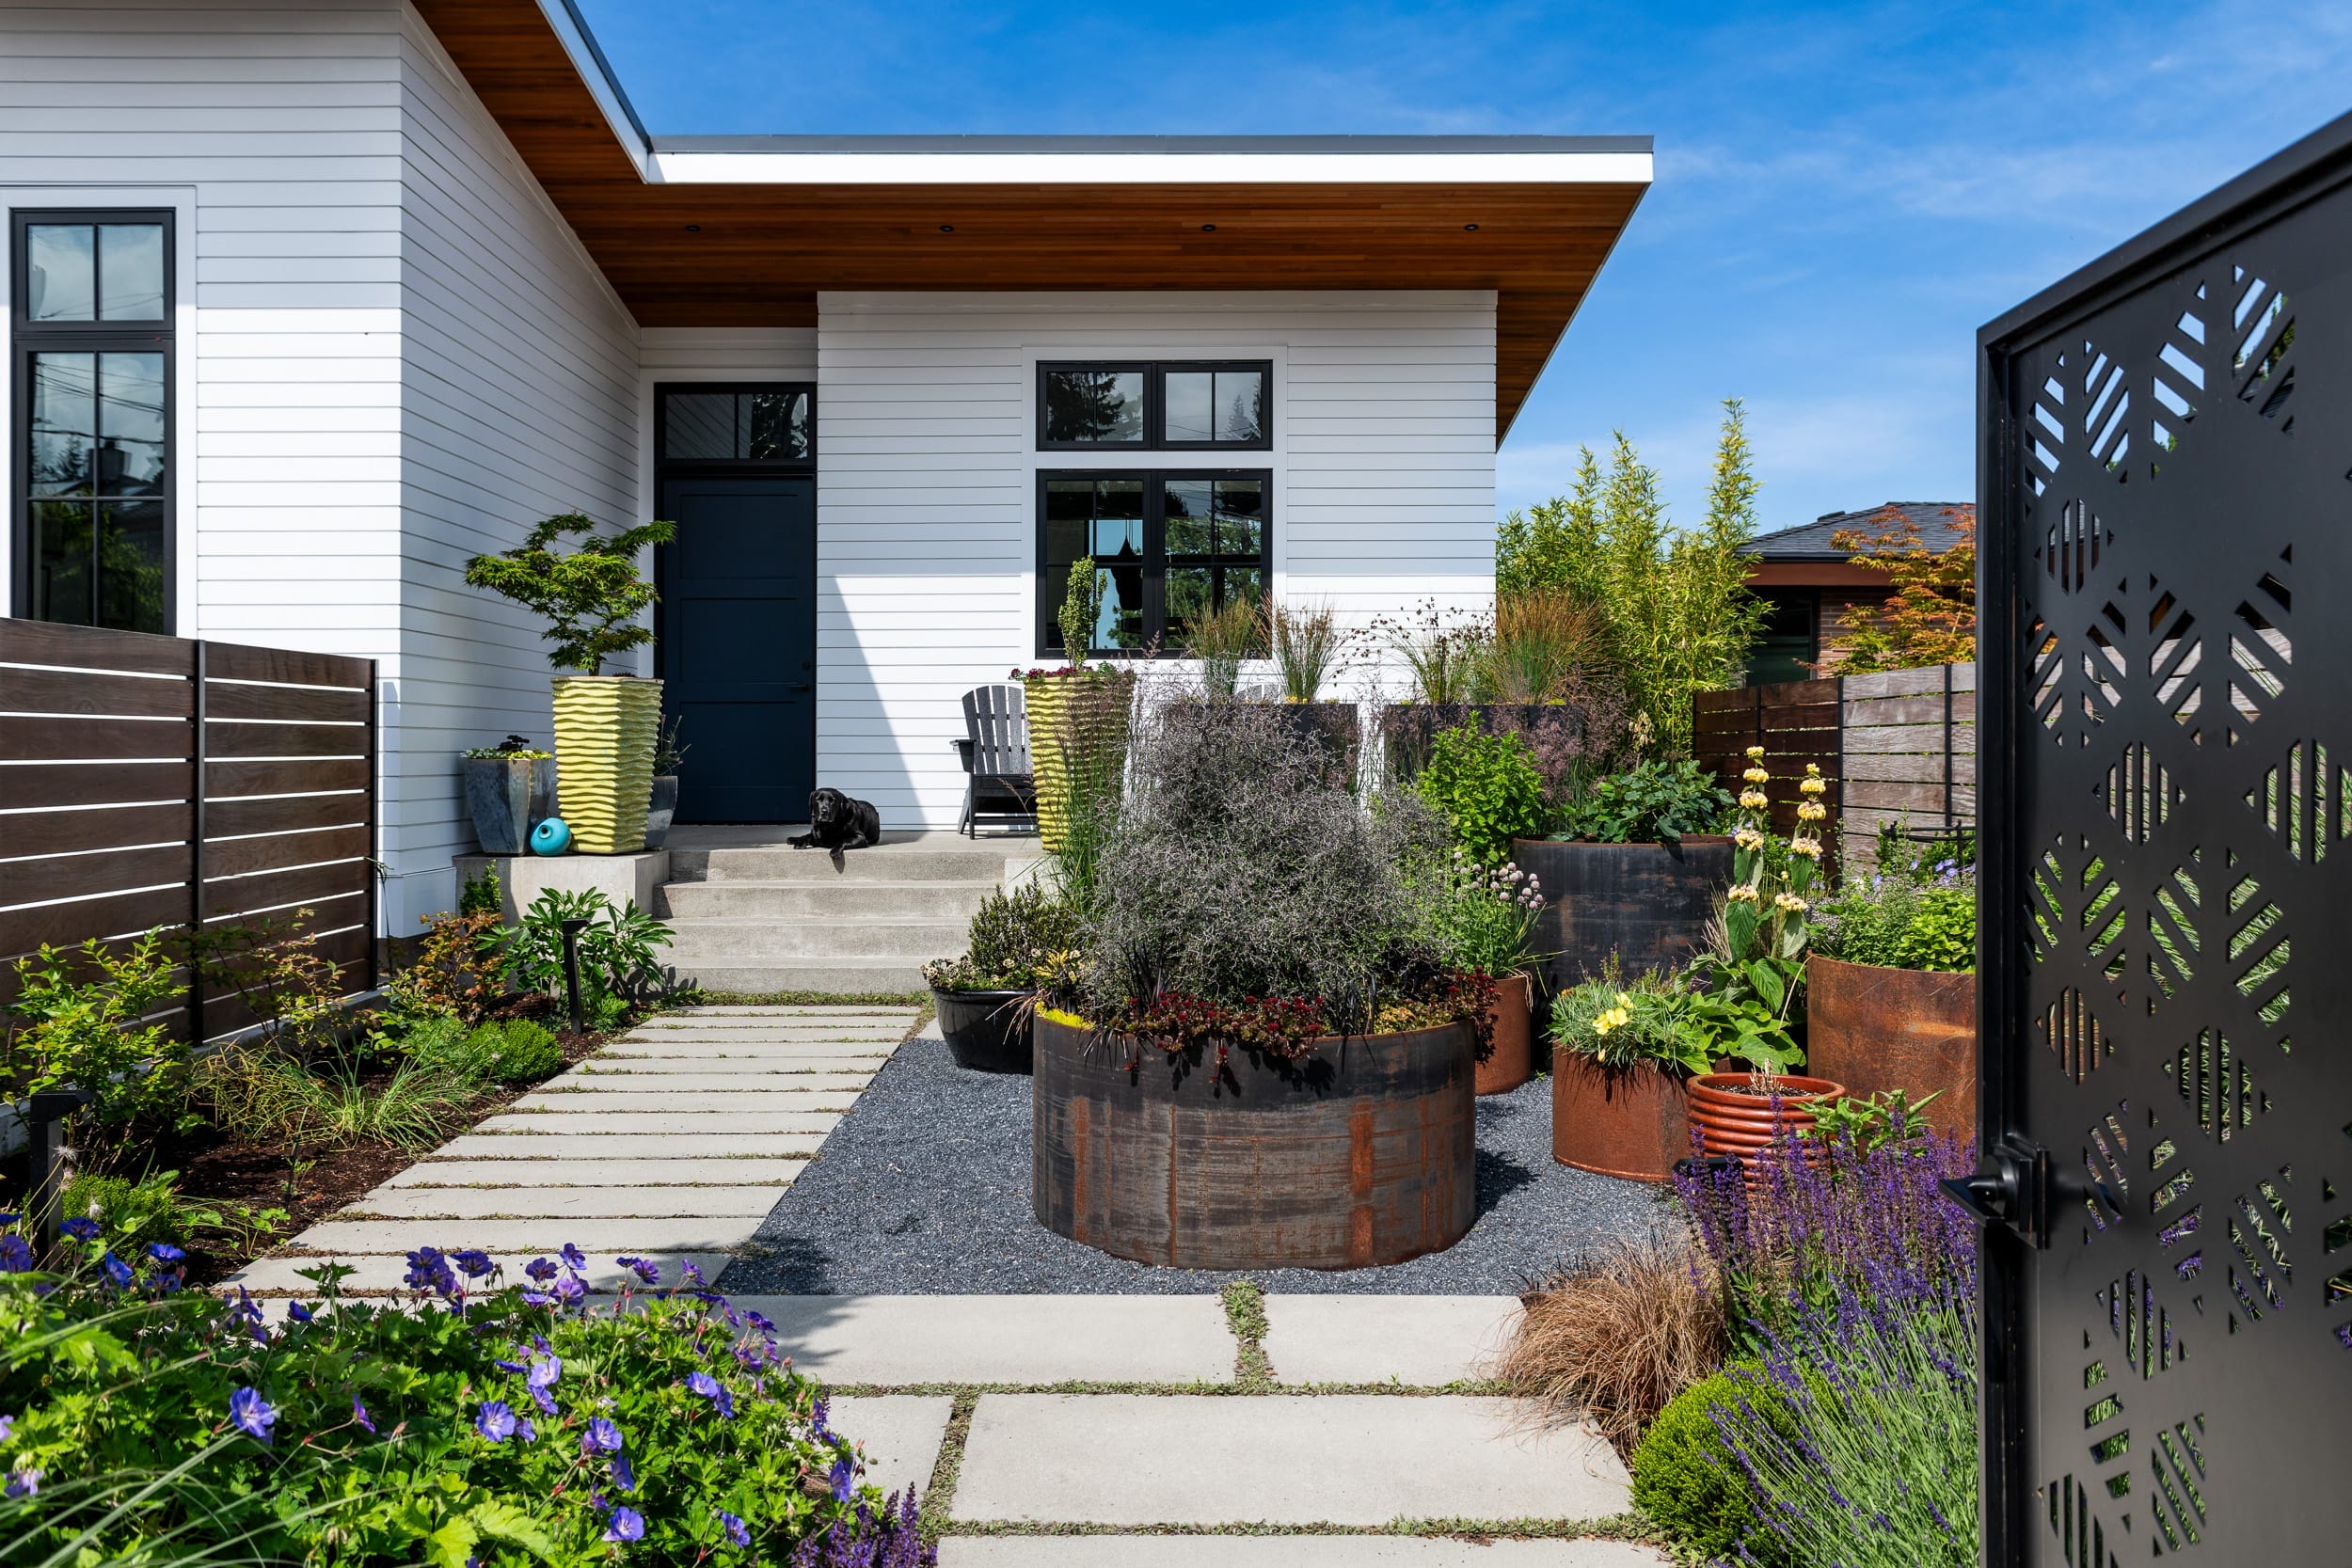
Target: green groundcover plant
x=140 y=1424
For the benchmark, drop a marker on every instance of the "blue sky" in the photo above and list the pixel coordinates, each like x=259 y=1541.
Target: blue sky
x=1844 y=194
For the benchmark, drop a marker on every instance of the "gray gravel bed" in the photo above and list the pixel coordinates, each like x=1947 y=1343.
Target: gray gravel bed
x=923 y=1189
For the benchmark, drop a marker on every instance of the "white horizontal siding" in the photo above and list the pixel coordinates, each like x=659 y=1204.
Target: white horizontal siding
x=1384 y=484
x=518 y=401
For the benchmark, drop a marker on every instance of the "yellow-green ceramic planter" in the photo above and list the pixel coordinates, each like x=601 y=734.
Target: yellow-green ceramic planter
x=1071 y=716
x=604 y=736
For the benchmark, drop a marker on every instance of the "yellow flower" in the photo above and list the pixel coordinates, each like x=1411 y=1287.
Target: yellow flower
x=1811 y=811
x=1809 y=847
x=1748 y=838
x=1741 y=895
x=1814 y=785
x=1757 y=775
x=1605 y=1022
x=1789 y=901
x=1625 y=999
x=1756 y=754
x=1753 y=800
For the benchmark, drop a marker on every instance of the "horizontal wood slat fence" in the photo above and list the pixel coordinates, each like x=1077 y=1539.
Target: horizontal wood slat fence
x=1898 y=747
x=153 y=781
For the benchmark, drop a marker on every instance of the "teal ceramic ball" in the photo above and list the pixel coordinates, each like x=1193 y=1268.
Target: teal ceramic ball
x=553 y=836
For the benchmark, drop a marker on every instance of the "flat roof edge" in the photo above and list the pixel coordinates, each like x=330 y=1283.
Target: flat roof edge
x=1162 y=146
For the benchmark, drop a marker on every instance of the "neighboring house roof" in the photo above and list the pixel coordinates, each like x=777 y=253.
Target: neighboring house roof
x=1814 y=541
x=747 y=230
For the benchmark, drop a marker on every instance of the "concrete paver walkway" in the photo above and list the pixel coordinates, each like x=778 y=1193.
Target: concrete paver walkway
x=673 y=1142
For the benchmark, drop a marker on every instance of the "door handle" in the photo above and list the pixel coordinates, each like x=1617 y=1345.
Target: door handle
x=2016 y=1191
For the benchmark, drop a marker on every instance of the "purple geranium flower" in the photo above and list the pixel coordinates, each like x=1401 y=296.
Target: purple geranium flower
x=686 y=1266
x=843 y=1478
x=524 y=1430
x=545 y=1369
x=569 y=1290
x=505 y=1366
x=164 y=1252
x=360 y=1414
x=603 y=1435
x=252 y=1414
x=117 y=1270
x=474 y=1262
x=16 y=1254
x=573 y=1256
x=623 y=1473
x=627 y=1524
x=644 y=1267
x=429 y=1271
x=496 y=1421
x=738 y=1531
x=8 y=1426
x=537 y=1298
x=540 y=1269
x=816 y=1418
x=757 y=1321
x=81 y=1230
x=298 y=1312
x=712 y=1389
x=23 y=1482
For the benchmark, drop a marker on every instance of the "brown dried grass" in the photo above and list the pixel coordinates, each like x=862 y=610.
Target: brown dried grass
x=1617 y=1335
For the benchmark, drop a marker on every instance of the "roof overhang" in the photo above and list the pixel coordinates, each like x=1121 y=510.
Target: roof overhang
x=747 y=230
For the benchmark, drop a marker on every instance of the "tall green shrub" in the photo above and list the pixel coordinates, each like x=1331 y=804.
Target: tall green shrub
x=1485 y=786
x=1679 y=617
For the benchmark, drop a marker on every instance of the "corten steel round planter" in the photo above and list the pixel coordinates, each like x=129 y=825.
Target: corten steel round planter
x=1364 y=1152
x=1876 y=1029
x=986 y=1031
x=1407 y=729
x=1513 y=1058
x=1647 y=903
x=1732 y=1121
x=1628 y=1122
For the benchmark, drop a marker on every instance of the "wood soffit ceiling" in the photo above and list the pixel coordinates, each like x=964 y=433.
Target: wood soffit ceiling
x=761 y=253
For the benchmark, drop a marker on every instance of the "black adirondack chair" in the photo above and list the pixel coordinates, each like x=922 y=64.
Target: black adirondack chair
x=999 y=782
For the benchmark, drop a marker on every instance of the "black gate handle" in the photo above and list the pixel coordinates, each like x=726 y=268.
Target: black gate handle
x=2016 y=1191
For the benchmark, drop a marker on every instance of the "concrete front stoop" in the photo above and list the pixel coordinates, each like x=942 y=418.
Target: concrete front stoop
x=750 y=915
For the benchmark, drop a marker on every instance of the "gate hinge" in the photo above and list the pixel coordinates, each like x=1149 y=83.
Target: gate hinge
x=2016 y=1189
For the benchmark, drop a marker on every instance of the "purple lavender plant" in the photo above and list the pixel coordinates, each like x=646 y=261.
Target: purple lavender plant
x=887 y=1540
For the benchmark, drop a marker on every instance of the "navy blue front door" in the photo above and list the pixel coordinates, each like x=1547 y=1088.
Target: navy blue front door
x=739 y=646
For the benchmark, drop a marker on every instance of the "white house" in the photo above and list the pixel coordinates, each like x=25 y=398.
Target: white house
x=310 y=302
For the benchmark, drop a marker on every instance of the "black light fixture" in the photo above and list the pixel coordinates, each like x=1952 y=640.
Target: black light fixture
x=571 y=930
x=1469 y=229
x=1208 y=229
x=947 y=228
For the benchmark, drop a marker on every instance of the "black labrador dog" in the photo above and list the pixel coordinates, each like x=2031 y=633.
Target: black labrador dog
x=836 y=822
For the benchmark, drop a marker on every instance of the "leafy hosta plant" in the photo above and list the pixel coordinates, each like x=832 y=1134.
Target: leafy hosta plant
x=498 y=1427
x=1655 y=803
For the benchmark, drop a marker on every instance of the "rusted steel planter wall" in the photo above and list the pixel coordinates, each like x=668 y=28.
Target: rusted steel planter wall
x=1875 y=1029
x=1512 y=1060
x=1364 y=1153
x=1648 y=903
x=1617 y=1121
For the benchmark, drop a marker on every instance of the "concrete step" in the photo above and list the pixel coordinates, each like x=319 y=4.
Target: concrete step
x=865 y=899
x=845 y=977
x=887 y=863
x=697 y=945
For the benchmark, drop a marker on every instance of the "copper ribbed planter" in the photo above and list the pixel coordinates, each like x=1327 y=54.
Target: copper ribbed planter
x=1513 y=1058
x=1731 y=1121
x=1628 y=1122
x=1363 y=1153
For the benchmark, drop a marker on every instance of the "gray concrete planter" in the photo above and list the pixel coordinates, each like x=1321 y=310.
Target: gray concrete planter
x=659 y=809
x=508 y=796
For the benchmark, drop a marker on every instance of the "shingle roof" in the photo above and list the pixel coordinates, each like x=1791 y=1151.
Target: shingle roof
x=1812 y=541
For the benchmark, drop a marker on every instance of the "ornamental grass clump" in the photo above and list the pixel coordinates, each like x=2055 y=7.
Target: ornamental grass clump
x=470 y=1425
x=1244 y=898
x=1618 y=1334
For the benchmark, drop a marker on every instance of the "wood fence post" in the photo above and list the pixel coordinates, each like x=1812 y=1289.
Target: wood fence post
x=196 y=856
x=375 y=876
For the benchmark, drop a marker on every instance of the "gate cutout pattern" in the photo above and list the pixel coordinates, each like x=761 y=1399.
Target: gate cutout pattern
x=2166 y=470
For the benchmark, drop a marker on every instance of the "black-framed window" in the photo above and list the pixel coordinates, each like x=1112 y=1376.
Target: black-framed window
x=1176 y=546
x=90 y=340
x=1174 y=405
x=1788 y=642
x=736 y=422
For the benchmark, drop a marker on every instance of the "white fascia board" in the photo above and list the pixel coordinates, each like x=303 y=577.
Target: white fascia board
x=597 y=75
x=1149 y=168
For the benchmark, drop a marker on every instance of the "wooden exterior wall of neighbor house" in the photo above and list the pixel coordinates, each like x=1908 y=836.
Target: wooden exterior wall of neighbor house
x=160 y=782
x=1899 y=746
x=1383 y=485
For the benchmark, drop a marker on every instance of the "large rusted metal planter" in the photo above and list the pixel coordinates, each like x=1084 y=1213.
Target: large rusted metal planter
x=1363 y=1153
x=1647 y=903
x=1875 y=1029
x=1513 y=1058
x=1630 y=1121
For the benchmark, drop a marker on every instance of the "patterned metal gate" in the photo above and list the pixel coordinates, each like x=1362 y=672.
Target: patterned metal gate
x=2166 y=467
